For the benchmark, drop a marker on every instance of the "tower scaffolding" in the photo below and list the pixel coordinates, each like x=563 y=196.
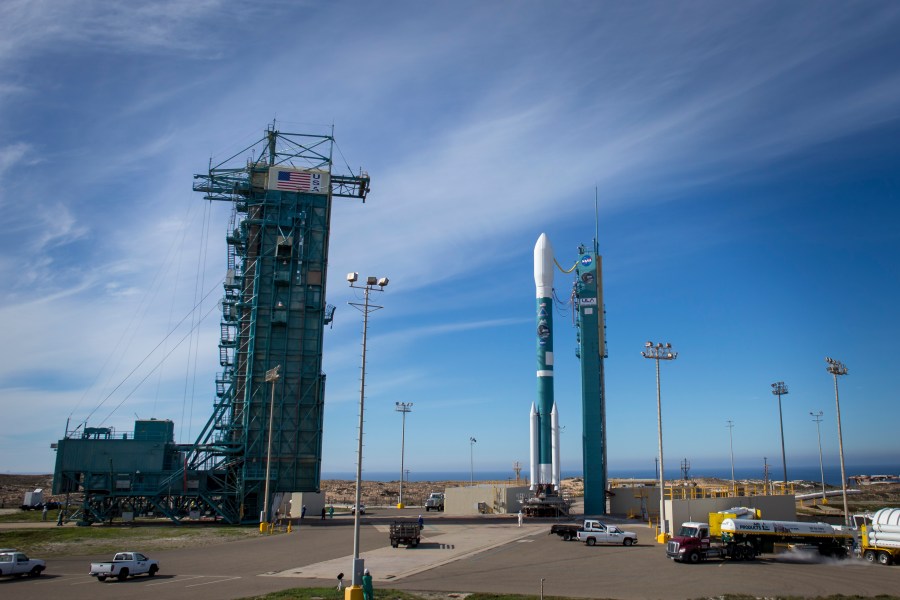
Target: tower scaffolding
x=273 y=314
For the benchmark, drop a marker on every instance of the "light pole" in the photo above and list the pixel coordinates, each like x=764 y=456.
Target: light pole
x=472 y=460
x=272 y=375
x=660 y=352
x=730 y=427
x=779 y=389
x=402 y=407
x=817 y=417
x=354 y=592
x=836 y=367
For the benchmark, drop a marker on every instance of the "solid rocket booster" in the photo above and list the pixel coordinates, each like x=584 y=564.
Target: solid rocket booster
x=544 y=425
x=554 y=444
x=534 y=446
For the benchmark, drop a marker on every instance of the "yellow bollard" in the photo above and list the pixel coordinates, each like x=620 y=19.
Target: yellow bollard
x=263 y=527
x=353 y=592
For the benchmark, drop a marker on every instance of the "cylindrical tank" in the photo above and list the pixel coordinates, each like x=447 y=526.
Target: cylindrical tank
x=765 y=527
x=886 y=517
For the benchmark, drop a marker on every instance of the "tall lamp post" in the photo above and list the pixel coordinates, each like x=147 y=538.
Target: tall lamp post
x=836 y=367
x=660 y=352
x=402 y=407
x=817 y=417
x=730 y=427
x=354 y=592
x=779 y=389
x=272 y=375
x=472 y=460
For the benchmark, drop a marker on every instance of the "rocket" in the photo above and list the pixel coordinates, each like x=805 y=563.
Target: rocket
x=544 y=420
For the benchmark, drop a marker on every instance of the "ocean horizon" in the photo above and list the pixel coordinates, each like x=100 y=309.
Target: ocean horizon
x=801 y=473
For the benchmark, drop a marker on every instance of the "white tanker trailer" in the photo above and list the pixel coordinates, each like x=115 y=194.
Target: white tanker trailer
x=745 y=539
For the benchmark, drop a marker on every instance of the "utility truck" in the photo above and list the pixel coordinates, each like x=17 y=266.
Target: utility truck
x=745 y=539
x=879 y=536
x=435 y=501
x=405 y=532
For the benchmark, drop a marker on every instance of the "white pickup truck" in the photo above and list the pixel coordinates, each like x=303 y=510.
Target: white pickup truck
x=594 y=532
x=123 y=565
x=17 y=564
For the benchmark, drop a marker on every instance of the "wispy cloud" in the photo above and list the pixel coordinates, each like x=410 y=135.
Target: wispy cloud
x=166 y=26
x=16 y=153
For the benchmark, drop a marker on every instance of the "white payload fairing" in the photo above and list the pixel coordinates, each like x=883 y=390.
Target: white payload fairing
x=544 y=421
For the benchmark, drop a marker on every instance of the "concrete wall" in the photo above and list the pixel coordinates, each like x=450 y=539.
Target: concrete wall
x=295 y=501
x=777 y=508
x=643 y=503
x=483 y=499
x=639 y=502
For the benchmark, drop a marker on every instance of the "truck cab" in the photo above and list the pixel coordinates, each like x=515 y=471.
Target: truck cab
x=692 y=543
x=435 y=501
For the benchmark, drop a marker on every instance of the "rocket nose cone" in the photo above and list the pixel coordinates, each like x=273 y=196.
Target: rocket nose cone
x=543 y=266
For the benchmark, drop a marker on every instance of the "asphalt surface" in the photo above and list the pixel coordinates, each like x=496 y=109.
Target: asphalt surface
x=485 y=554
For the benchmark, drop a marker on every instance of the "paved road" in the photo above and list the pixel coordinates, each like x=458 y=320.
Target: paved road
x=456 y=555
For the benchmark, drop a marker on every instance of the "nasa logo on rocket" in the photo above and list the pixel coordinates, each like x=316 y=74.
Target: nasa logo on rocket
x=543 y=328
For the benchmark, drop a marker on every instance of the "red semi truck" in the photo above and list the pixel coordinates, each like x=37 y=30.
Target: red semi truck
x=745 y=539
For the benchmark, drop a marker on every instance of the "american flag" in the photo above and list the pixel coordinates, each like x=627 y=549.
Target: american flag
x=297 y=181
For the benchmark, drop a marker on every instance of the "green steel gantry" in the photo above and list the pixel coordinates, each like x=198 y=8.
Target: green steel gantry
x=273 y=315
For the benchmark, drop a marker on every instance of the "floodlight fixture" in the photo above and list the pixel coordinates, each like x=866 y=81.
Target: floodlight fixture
x=779 y=389
x=656 y=353
x=365 y=307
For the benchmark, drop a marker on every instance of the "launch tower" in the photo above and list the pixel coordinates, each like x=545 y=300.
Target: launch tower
x=265 y=432
x=591 y=337
x=587 y=297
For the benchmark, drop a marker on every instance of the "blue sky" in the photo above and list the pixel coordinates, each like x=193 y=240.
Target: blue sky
x=746 y=160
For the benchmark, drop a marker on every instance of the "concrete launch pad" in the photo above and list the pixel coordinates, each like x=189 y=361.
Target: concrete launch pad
x=441 y=544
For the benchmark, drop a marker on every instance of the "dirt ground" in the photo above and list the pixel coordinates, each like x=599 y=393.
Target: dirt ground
x=385 y=493
x=337 y=491
x=13 y=488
